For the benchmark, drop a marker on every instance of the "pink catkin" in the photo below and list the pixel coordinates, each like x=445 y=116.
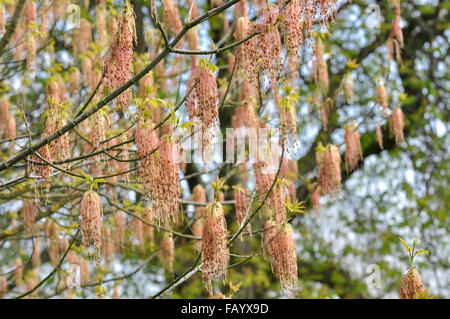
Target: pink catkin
x=118 y=66
x=379 y=135
x=158 y=171
x=353 y=150
x=168 y=252
x=410 y=285
x=381 y=96
x=172 y=20
x=329 y=162
x=202 y=104
x=29 y=211
x=214 y=246
x=241 y=196
x=396 y=125
x=279 y=249
x=315 y=199
x=91 y=220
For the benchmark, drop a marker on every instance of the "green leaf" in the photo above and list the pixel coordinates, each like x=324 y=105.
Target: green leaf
x=404 y=243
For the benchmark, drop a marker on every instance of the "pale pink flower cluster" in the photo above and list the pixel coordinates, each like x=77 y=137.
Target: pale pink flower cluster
x=118 y=65
x=168 y=252
x=410 y=285
x=299 y=17
x=279 y=249
x=329 y=175
x=379 y=135
x=159 y=171
x=199 y=196
x=315 y=199
x=396 y=124
x=214 y=245
x=381 y=96
x=172 y=20
x=242 y=198
x=91 y=221
x=353 y=150
x=320 y=67
x=202 y=103
x=29 y=211
x=395 y=39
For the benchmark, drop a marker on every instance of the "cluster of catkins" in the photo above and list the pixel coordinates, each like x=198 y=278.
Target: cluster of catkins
x=159 y=170
x=353 y=150
x=214 y=245
x=202 y=104
x=118 y=65
x=279 y=249
x=329 y=175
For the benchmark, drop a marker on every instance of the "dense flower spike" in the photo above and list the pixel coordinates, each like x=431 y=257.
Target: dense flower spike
x=91 y=220
x=395 y=38
x=320 y=67
x=168 y=252
x=241 y=196
x=410 y=284
x=381 y=96
x=379 y=135
x=158 y=171
x=118 y=65
x=396 y=124
x=214 y=245
x=172 y=20
x=329 y=162
x=315 y=199
x=202 y=104
x=29 y=211
x=279 y=249
x=353 y=150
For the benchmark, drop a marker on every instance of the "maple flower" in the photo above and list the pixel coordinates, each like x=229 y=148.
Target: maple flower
x=29 y=211
x=381 y=96
x=168 y=251
x=118 y=65
x=379 y=135
x=91 y=220
x=315 y=199
x=329 y=162
x=320 y=67
x=202 y=104
x=214 y=245
x=241 y=196
x=279 y=249
x=396 y=125
x=410 y=284
x=353 y=150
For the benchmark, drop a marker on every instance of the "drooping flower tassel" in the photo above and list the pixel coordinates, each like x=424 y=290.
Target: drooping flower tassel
x=329 y=162
x=118 y=65
x=91 y=221
x=396 y=125
x=353 y=150
x=214 y=246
